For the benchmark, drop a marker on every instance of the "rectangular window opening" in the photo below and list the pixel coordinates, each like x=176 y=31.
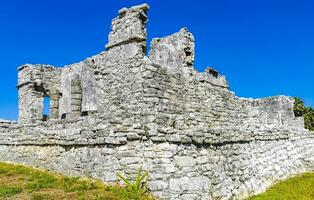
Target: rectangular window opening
x=46 y=109
x=84 y=113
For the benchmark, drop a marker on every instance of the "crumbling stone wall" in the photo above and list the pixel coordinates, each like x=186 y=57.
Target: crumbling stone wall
x=174 y=52
x=34 y=83
x=120 y=110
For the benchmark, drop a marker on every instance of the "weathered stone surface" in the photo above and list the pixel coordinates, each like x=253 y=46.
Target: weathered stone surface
x=120 y=110
x=175 y=52
x=185 y=161
x=129 y=26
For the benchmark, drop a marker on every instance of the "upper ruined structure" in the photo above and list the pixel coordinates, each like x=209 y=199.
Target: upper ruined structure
x=122 y=109
x=78 y=90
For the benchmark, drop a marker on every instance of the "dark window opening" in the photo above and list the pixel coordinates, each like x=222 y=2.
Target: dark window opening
x=45 y=118
x=63 y=116
x=84 y=113
x=211 y=71
x=187 y=51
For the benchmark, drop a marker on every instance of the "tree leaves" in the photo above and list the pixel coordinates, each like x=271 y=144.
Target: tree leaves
x=307 y=112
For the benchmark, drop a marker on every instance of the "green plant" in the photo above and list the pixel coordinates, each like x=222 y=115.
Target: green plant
x=139 y=185
x=302 y=111
x=6 y=191
x=39 y=181
x=309 y=119
x=298 y=107
x=296 y=188
x=21 y=182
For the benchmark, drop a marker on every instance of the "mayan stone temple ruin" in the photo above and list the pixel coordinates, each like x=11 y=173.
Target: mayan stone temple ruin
x=122 y=109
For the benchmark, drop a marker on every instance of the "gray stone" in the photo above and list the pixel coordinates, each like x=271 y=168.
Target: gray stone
x=185 y=161
x=178 y=184
x=120 y=110
x=158 y=186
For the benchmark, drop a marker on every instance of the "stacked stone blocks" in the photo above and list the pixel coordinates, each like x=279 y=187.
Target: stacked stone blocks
x=120 y=109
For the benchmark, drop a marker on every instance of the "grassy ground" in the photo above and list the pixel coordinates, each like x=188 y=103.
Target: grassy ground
x=297 y=188
x=23 y=183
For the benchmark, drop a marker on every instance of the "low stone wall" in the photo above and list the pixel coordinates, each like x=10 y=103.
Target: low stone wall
x=222 y=167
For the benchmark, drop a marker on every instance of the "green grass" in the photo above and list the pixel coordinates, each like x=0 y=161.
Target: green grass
x=9 y=191
x=297 y=188
x=20 y=182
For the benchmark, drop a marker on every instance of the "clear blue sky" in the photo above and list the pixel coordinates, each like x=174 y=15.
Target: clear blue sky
x=264 y=47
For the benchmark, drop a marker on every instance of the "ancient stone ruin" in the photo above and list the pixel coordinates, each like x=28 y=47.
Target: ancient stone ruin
x=122 y=109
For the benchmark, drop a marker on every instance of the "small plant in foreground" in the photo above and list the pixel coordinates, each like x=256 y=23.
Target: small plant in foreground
x=139 y=185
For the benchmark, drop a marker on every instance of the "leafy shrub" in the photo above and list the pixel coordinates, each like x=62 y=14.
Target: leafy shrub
x=298 y=107
x=307 y=112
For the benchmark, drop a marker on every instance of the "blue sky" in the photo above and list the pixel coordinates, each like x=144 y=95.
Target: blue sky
x=264 y=47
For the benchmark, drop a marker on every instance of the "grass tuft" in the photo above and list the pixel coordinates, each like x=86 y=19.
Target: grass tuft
x=9 y=191
x=296 y=188
x=20 y=182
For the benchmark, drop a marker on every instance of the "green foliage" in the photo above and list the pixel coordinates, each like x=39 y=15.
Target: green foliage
x=297 y=188
x=40 y=180
x=6 y=191
x=307 y=112
x=298 y=107
x=139 y=185
x=34 y=184
x=309 y=119
x=6 y=169
x=71 y=184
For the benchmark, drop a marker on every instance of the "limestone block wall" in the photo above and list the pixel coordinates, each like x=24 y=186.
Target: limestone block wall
x=228 y=166
x=106 y=81
x=196 y=107
x=129 y=26
x=174 y=52
x=84 y=74
x=119 y=110
x=34 y=83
